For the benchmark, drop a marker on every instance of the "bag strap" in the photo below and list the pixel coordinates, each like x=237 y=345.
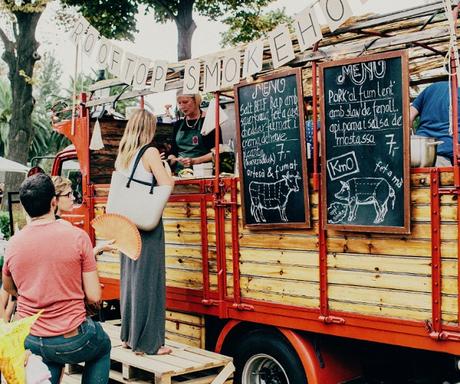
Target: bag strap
x=136 y=163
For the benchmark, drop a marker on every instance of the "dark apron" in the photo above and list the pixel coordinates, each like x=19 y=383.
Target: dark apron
x=190 y=142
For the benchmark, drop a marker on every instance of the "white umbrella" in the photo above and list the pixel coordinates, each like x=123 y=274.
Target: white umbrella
x=12 y=166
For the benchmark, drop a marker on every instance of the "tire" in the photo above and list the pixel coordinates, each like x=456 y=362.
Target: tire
x=267 y=358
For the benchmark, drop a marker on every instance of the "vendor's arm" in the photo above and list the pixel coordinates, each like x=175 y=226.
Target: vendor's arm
x=209 y=141
x=188 y=161
x=413 y=113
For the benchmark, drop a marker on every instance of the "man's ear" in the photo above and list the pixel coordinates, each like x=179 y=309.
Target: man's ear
x=54 y=204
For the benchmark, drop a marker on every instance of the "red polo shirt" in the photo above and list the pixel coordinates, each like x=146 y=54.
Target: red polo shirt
x=46 y=262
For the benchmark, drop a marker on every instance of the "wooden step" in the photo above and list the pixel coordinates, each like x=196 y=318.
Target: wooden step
x=185 y=365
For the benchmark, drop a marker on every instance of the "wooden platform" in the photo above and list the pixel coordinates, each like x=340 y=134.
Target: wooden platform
x=185 y=365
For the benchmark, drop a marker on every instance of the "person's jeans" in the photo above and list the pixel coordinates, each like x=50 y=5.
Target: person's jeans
x=91 y=345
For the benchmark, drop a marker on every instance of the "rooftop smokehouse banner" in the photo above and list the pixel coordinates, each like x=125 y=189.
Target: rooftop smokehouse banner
x=218 y=71
x=365 y=143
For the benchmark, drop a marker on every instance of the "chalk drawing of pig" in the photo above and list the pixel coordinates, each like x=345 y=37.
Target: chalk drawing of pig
x=365 y=191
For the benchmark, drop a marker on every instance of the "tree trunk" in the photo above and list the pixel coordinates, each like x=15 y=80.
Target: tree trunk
x=185 y=28
x=21 y=56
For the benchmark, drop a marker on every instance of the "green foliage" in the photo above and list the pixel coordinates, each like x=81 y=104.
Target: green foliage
x=117 y=18
x=114 y=19
x=5 y=224
x=250 y=24
x=46 y=90
x=23 y=6
x=5 y=112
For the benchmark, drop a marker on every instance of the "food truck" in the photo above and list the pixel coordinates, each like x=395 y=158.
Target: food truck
x=305 y=269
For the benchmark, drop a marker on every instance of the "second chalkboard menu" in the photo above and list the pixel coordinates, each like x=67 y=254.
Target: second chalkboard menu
x=365 y=143
x=271 y=144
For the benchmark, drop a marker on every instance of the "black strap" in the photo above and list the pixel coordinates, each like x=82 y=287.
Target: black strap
x=136 y=163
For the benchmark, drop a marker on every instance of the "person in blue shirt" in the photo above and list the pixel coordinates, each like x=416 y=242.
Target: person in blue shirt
x=433 y=107
x=308 y=107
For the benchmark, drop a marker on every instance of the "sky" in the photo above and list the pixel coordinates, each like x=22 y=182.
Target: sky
x=151 y=42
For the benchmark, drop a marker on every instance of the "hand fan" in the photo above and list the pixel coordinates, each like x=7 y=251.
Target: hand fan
x=122 y=230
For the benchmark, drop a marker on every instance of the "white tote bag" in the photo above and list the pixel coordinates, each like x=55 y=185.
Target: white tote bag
x=141 y=202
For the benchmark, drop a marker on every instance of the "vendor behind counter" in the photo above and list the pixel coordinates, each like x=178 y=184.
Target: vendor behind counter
x=432 y=105
x=188 y=145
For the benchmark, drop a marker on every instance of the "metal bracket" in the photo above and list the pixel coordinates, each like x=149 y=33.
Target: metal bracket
x=441 y=336
x=445 y=336
x=331 y=320
x=243 y=307
x=210 y=302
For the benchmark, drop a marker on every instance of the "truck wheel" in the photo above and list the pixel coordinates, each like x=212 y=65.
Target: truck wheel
x=267 y=358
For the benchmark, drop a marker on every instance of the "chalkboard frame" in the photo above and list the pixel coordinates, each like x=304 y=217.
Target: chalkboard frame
x=405 y=228
x=260 y=79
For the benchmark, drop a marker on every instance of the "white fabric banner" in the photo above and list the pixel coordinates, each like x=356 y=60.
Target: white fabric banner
x=103 y=53
x=281 y=46
x=336 y=12
x=231 y=68
x=128 y=66
x=253 y=58
x=307 y=28
x=79 y=29
x=192 y=77
x=115 y=61
x=211 y=74
x=89 y=40
x=140 y=73
x=159 y=73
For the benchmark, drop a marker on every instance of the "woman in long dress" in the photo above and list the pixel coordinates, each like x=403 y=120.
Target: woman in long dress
x=143 y=282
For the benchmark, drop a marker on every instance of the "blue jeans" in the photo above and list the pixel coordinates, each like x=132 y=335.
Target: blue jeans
x=91 y=345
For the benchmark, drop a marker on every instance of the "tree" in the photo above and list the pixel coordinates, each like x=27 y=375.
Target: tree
x=250 y=24
x=46 y=91
x=101 y=13
x=20 y=55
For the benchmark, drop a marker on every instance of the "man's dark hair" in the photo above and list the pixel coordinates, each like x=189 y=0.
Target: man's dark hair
x=36 y=193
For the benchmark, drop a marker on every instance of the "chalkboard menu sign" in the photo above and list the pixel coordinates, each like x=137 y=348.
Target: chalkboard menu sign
x=365 y=143
x=271 y=144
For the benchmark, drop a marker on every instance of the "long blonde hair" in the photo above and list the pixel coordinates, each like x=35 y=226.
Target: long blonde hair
x=139 y=131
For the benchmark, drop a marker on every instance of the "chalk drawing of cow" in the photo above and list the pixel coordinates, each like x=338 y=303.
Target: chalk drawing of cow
x=272 y=196
x=365 y=191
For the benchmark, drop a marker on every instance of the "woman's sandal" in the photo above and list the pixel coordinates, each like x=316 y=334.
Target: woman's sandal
x=125 y=345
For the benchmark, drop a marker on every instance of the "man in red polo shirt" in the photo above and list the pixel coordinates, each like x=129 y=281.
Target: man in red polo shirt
x=50 y=266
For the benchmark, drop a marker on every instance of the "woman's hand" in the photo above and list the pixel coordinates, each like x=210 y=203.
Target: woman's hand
x=172 y=159
x=99 y=249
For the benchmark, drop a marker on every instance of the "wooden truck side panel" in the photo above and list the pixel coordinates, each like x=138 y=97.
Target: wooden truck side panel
x=389 y=288
x=375 y=276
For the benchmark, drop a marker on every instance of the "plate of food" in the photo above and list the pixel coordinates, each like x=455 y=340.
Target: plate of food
x=186 y=173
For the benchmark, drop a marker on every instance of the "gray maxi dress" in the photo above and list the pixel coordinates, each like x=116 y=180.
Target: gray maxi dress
x=142 y=303
x=143 y=286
